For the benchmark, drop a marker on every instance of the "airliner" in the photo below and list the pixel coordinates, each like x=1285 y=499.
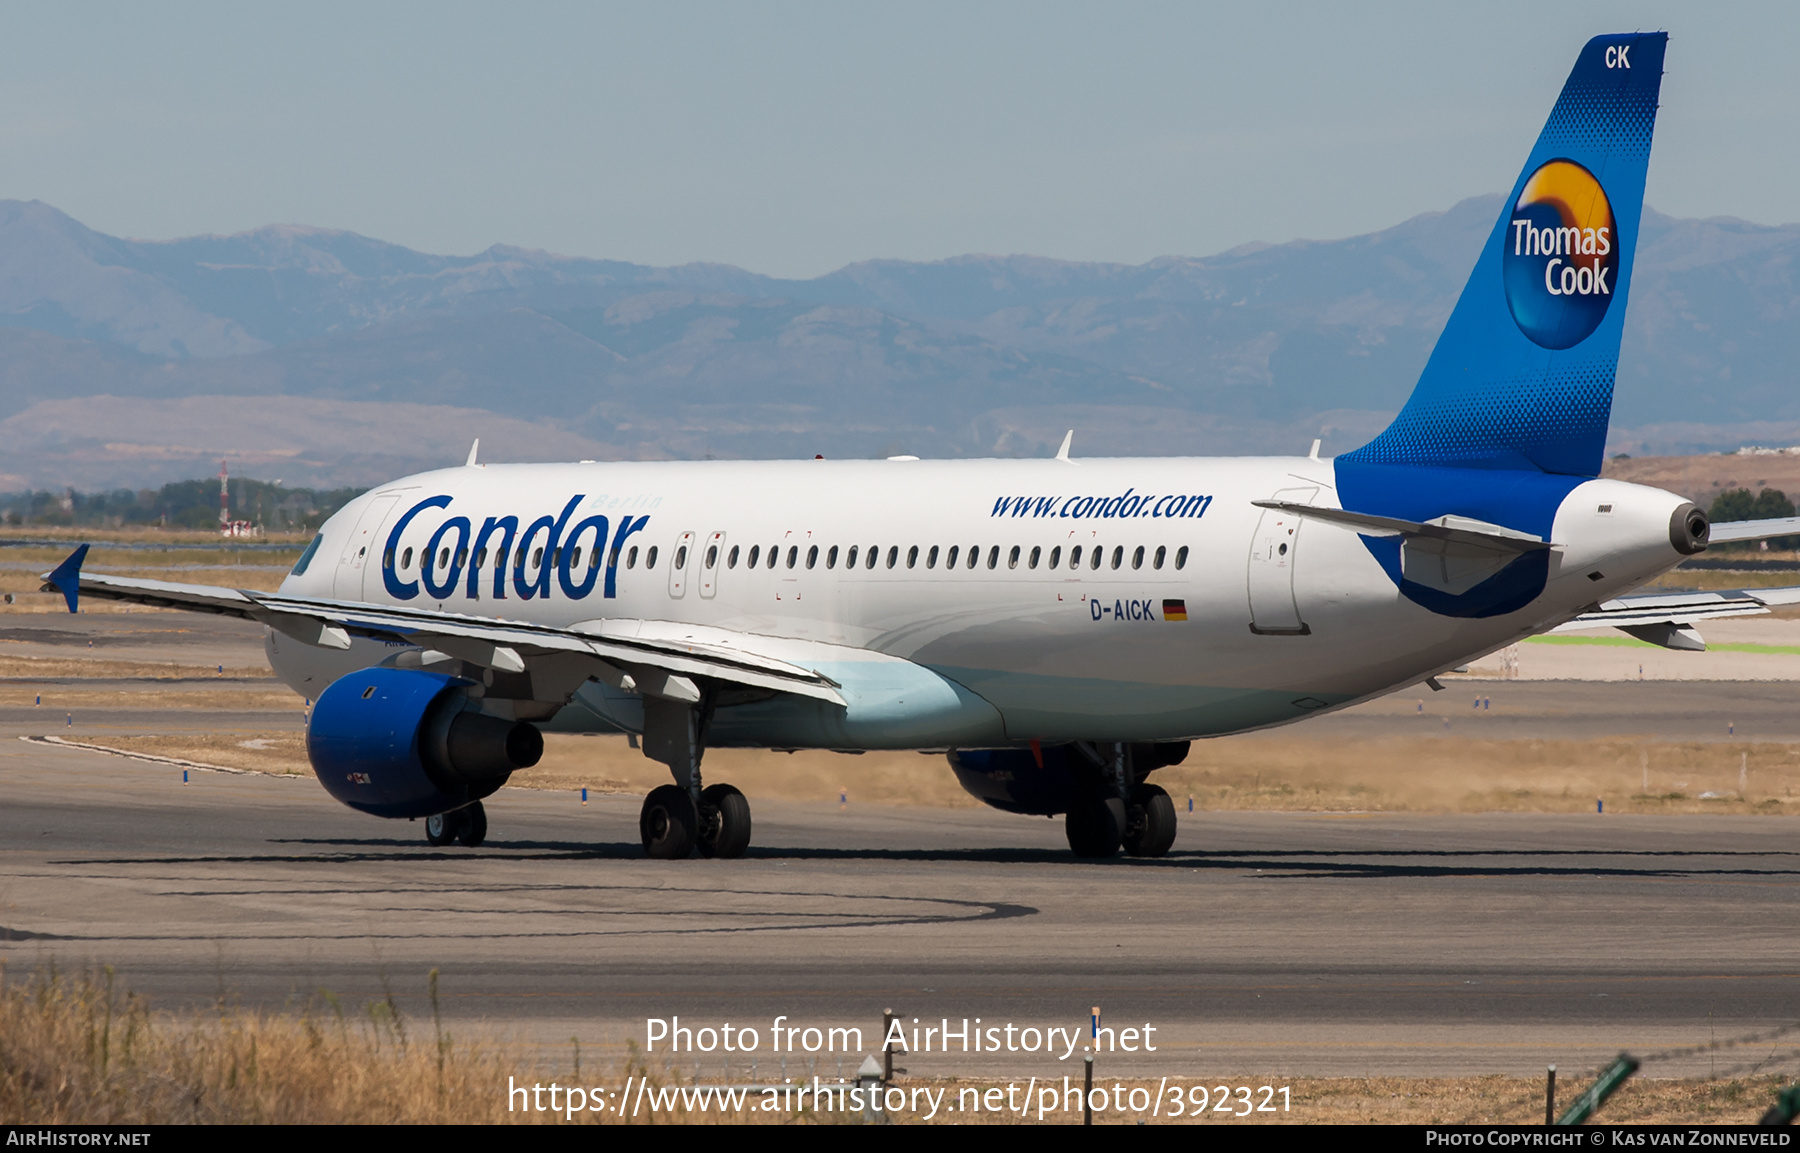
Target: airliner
x=1059 y=628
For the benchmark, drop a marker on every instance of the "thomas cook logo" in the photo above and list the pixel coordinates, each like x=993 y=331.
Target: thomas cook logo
x=1562 y=255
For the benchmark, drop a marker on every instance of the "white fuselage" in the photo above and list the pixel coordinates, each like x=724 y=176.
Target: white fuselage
x=959 y=603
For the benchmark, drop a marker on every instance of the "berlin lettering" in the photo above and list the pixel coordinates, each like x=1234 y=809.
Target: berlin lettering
x=549 y=549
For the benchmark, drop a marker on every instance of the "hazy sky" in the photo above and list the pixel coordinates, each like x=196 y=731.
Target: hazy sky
x=795 y=138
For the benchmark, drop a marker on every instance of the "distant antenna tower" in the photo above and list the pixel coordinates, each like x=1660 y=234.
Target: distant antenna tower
x=224 y=500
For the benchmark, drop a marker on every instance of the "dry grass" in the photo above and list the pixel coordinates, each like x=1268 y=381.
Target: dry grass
x=609 y=764
x=76 y=1049
x=67 y=698
x=279 y=754
x=1469 y=775
x=1267 y=774
x=36 y=669
x=73 y=1050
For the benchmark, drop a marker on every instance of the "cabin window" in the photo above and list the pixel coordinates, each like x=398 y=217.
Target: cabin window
x=950 y=557
x=1035 y=553
x=537 y=557
x=774 y=554
x=1075 y=557
x=912 y=557
x=850 y=558
x=1118 y=555
x=481 y=558
x=931 y=557
x=712 y=555
x=812 y=556
x=575 y=557
x=831 y=557
x=793 y=555
x=594 y=560
x=755 y=555
x=732 y=557
x=994 y=557
x=1055 y=556
x=974 y=555
x=631 y=558
x=1094 y=557
x=1162 y=552
x=406 y=559
x=874 y=555
x=650 y=557
x=1137 y=558
x=1012 y=558
x=462 y=557
x=893 y=555
x=681 y=556
x=1181 y=557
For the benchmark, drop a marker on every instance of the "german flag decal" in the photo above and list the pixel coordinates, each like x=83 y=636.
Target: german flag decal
x=1174 y=610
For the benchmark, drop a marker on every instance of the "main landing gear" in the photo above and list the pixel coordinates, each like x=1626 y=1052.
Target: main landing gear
x=672 y=826
x=465 y=826
x=683 y=817
x=1118 y=809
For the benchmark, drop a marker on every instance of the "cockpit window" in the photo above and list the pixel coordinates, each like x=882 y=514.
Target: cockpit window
x=306 y=557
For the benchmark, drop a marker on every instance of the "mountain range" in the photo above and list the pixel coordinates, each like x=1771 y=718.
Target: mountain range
x=330 y=358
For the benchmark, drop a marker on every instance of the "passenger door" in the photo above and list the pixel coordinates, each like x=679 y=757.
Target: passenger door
x=347 y=582
x=679 y=560
x=711 y=558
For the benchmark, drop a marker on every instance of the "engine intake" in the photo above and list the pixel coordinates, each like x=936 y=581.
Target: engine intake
x=405 y=743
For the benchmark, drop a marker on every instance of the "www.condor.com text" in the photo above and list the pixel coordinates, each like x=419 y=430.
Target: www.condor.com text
x=1034 y=1100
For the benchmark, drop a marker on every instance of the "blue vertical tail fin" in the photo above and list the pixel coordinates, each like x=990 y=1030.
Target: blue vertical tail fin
x=1522 y=377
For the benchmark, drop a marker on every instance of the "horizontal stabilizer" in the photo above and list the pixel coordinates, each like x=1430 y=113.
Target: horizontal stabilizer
x=1667 y=619
x=1680 y=637
x=1734 y=531
x=1454 y=529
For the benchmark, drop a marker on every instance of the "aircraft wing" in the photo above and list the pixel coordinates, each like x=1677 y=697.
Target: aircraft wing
x=662 y=668
x=1668 y=619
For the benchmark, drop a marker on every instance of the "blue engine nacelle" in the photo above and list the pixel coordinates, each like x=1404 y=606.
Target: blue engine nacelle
x=403 y=743
x=1013 y=780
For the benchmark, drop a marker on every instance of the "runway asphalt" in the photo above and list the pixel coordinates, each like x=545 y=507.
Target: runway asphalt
x=1265 y=945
